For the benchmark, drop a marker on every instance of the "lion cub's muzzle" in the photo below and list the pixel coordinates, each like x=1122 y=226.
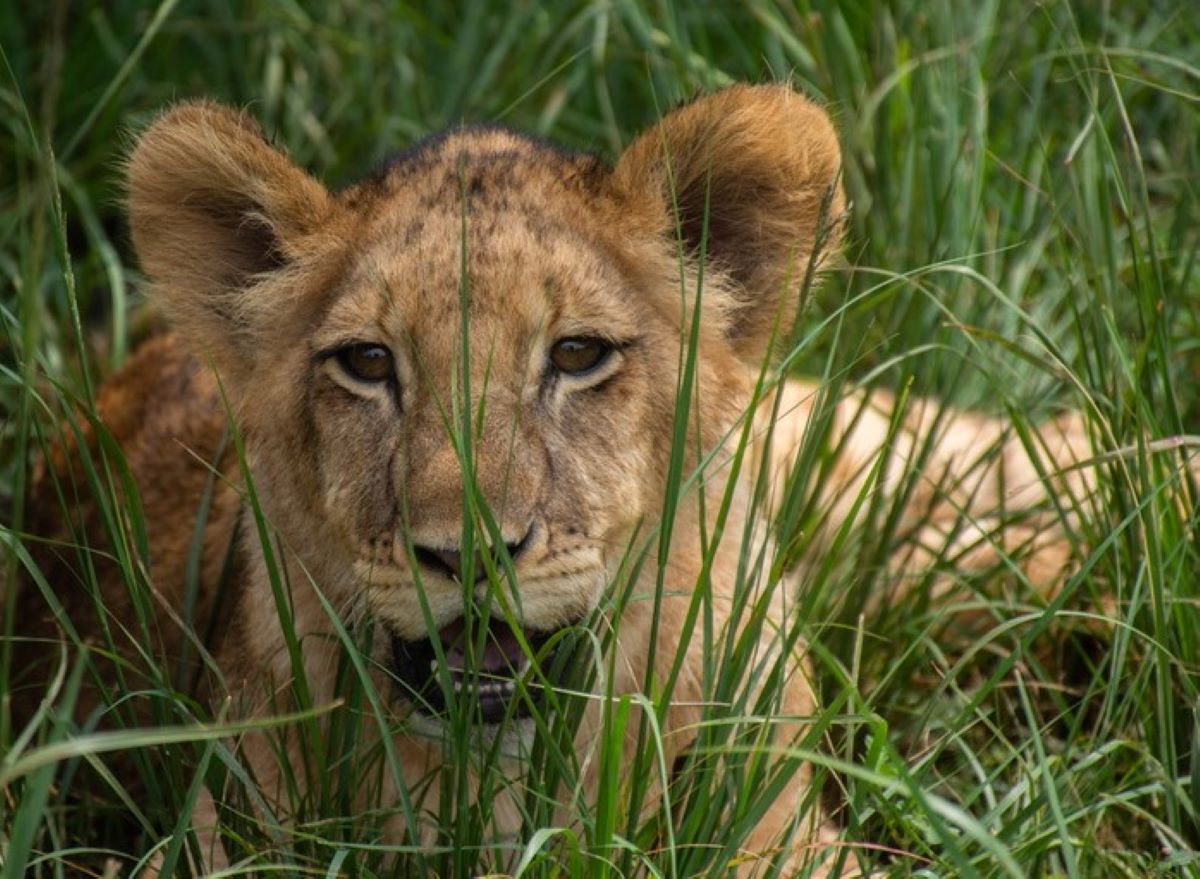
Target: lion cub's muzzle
x=453 y=564
x=479 y=662
x=490 y=670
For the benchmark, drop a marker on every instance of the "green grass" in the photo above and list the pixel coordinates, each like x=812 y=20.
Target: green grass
x=1024 y=239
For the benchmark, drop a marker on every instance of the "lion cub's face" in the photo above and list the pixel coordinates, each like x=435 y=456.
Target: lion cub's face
x=483 y=299
x=480 y=269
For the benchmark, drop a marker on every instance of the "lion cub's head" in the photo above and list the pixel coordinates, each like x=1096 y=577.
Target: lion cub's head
x=489 y=299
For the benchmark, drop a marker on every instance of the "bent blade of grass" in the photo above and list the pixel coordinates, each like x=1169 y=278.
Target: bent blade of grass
x=132 y=739
x=30 y=810
x=127 y=68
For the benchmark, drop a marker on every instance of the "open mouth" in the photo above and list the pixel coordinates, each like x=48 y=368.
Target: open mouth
x=488 y=674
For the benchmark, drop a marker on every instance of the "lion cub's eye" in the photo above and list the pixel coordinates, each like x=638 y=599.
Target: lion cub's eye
x=579 y=356
x=367 y=362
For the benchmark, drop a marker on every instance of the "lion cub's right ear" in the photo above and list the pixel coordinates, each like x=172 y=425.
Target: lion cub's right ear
x=751 y=176
x=215 y=211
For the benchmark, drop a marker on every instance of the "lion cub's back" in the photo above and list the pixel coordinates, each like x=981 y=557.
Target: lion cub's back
x=164 y=410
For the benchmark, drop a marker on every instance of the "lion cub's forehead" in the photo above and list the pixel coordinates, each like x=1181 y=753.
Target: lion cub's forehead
x=517 y=229
x=492 y=163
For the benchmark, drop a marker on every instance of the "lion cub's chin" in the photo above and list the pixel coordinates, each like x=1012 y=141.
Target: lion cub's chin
x=512 y=739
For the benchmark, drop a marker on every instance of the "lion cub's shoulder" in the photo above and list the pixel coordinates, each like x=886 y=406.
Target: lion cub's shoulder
x=159 y=424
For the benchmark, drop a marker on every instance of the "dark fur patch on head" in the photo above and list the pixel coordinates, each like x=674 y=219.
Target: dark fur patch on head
x=575 y=169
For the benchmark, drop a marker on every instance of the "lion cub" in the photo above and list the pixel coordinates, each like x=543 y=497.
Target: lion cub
x=428 y=421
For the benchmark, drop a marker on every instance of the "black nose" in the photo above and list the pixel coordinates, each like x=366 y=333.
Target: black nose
x=451 y=563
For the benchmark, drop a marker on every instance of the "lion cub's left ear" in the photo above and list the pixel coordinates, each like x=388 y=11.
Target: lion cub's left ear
x=764 y=163
x=216 y=213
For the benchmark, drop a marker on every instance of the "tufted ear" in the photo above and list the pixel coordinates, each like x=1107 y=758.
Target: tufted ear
x=215 y=212
x=764 y=162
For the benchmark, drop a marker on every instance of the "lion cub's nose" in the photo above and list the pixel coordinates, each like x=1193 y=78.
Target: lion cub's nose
x=450 y=562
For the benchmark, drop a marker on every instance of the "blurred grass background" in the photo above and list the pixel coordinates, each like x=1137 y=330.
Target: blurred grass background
x=1024 y=238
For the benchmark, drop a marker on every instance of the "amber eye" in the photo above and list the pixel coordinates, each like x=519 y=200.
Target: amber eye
x=579 y=356
x=367 y=362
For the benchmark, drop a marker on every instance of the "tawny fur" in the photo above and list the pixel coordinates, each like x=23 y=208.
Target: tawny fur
x=263 y=272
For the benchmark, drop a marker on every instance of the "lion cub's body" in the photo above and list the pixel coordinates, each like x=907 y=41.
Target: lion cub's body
x=525 y=254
